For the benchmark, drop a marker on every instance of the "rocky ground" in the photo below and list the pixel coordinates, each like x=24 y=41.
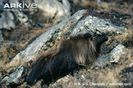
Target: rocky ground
x=114 y=66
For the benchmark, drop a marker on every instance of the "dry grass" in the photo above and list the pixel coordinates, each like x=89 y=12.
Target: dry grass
x=125 y=38
x=20 y=38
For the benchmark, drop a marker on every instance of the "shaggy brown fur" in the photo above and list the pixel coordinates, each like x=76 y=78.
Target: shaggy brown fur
x=73 y=53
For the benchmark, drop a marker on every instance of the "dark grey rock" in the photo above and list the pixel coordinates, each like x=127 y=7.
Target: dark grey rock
x=7 y=20
x=15 y=77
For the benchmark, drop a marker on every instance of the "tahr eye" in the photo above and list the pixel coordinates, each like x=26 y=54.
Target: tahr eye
x=87 y=35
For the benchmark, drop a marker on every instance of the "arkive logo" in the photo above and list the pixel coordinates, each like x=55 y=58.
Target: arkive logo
x=22 y=5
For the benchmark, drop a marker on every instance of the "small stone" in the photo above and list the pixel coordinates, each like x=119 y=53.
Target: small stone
x=117 y=52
